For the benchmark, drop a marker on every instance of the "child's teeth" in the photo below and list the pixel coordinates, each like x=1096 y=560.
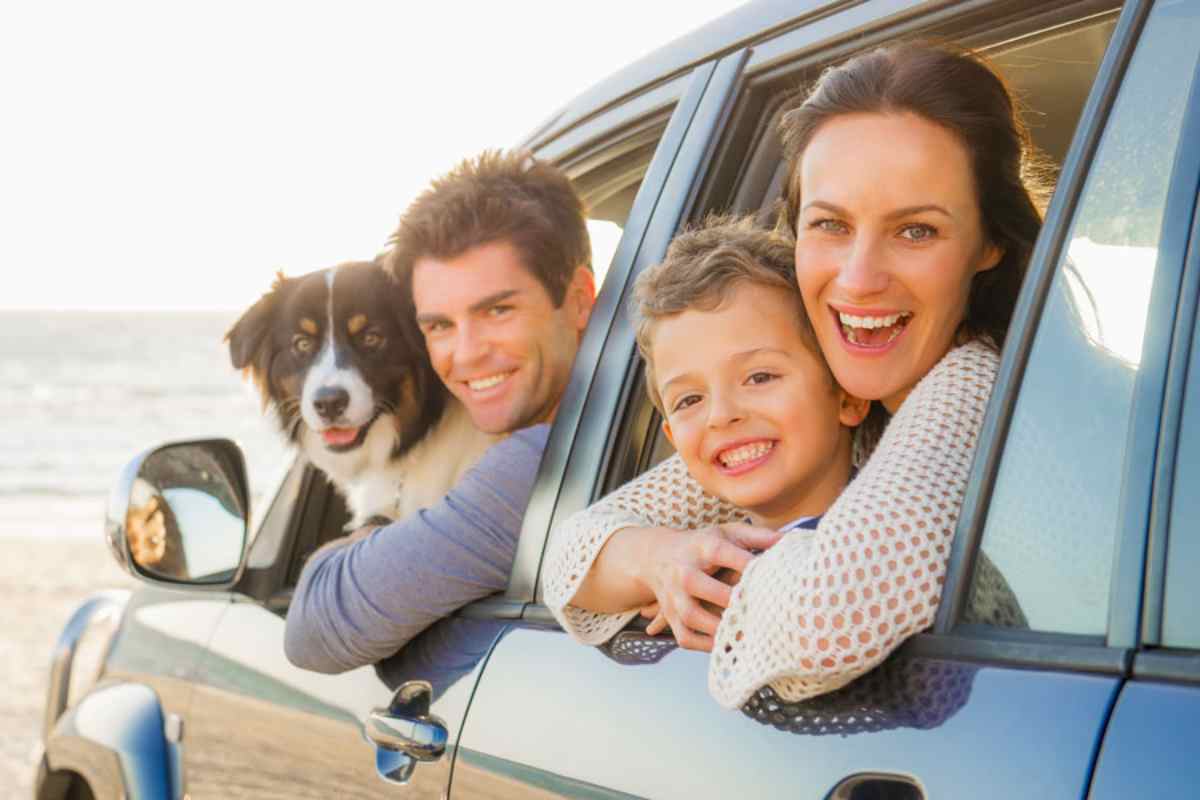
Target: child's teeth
x=747 y=452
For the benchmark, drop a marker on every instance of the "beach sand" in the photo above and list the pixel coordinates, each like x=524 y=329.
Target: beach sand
x=42 y=579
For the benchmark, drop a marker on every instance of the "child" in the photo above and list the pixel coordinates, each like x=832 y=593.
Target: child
x=734 y=368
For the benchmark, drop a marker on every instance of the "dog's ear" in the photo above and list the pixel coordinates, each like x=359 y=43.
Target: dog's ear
x=400 y=300
x=428 y=386
x=246 y=336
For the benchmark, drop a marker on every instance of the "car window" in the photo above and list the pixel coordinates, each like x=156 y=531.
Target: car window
x=1051 y=102
x=1054 y=513
x=607 y=171
x=607 y=176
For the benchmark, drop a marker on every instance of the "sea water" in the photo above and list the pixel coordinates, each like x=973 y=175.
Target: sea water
x=82 y=393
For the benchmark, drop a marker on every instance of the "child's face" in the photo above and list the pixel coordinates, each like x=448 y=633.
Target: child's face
x=751 y=409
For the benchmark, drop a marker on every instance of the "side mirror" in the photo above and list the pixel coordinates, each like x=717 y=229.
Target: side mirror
x=179 y=513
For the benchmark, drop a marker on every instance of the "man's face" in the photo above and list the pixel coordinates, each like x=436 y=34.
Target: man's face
x=494 y=336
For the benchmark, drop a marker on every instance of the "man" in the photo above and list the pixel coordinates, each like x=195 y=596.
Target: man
x=497 y=256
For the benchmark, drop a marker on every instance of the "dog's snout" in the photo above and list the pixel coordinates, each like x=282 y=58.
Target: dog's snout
x=331 y=401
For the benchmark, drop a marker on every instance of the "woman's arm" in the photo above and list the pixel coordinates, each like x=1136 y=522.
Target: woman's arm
x=810 y=615
x=658 y=504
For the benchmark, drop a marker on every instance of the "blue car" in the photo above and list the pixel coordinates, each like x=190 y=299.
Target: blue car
x=1078 y=496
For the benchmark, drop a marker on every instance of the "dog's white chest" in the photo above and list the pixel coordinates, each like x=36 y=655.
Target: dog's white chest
x=376 y=483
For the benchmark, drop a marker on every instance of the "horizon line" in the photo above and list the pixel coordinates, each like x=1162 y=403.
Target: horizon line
x=123 y=309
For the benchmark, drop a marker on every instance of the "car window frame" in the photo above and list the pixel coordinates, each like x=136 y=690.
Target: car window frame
x=948 y=637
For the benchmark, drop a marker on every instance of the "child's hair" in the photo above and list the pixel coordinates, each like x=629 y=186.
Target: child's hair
x=703 y=265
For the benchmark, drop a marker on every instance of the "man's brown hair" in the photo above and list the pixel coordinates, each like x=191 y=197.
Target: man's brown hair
x=498 y=197
x=703 y=265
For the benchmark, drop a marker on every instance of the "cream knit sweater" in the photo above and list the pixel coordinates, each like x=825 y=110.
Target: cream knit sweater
x=813 y=612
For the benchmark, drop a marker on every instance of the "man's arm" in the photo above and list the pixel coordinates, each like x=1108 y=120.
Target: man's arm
x=359 y=603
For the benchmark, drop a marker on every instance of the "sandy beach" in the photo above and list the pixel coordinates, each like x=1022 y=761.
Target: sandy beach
x=44 y=579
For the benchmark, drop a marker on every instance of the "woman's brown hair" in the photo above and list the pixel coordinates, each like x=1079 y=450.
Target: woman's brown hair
x=960 y=92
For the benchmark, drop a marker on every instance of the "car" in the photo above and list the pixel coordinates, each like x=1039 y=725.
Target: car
x=1078 y=495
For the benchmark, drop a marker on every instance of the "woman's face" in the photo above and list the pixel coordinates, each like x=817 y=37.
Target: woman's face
x=888 y=239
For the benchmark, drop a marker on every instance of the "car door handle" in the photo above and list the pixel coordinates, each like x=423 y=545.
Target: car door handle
x=405 y=732
x=877 y=786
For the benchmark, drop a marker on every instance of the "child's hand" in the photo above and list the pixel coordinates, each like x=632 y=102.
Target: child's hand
x=658 y=622
x=691 y=576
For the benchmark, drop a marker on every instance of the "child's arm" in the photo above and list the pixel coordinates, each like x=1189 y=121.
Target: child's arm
x=810 y=615
x=652 y=512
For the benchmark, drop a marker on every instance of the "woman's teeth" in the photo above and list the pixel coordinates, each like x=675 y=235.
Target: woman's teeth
x=486 y=383
x=861 y=330
x=871 y=322
x=747 y=452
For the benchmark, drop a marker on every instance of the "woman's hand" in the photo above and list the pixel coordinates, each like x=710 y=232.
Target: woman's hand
x=687 y=569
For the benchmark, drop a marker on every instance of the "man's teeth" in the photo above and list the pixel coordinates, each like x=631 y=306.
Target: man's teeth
x=488 y=382
x=747 y=452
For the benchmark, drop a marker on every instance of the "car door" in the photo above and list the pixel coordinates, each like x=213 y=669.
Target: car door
x=256 y=726
x=985 y=704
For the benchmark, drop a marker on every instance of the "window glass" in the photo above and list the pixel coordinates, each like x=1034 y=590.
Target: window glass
x=607 y=177
x=605 y=237
x=1054 y=513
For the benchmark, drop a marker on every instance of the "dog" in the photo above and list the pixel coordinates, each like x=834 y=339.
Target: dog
x=339 y=358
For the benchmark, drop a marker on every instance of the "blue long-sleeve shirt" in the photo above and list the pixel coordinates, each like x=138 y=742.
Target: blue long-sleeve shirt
x=359 y=603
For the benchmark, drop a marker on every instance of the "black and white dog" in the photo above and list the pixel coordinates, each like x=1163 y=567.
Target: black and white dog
x=338 y=356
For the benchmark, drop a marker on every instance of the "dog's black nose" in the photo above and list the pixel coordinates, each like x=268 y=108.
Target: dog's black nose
x=331 y=401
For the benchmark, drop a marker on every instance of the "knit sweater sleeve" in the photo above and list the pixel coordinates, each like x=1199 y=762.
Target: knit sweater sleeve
x=665 y=496
x=813 y=613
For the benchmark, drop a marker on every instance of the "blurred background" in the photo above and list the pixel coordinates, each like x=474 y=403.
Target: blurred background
x=159 y=161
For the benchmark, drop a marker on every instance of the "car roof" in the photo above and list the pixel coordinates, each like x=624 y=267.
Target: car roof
x=738 y=28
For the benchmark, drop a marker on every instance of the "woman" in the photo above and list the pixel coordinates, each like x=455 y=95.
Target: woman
x=913 y=227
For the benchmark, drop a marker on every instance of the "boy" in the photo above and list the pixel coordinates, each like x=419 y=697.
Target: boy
x=734 y=368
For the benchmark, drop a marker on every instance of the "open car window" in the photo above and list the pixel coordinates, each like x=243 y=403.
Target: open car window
x=1051 y=71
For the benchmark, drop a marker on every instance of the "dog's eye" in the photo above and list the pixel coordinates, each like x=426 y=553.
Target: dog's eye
x=371 y=340
x=302 y=344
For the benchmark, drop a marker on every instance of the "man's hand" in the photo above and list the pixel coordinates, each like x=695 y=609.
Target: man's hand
x=691 y=575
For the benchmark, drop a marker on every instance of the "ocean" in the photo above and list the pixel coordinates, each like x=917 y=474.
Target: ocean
x=81 y=393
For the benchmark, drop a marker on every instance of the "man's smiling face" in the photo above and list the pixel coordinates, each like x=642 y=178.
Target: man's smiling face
x=494 y=335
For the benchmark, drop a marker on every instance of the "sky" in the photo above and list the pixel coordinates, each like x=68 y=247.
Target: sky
x=173 y=156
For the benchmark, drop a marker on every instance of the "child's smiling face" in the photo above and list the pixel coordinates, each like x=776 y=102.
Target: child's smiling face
x=751 y=407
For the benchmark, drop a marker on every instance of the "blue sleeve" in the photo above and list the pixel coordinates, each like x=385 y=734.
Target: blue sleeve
x=360 y=603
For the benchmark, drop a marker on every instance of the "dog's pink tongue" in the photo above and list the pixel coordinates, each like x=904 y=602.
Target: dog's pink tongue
x=339 y=436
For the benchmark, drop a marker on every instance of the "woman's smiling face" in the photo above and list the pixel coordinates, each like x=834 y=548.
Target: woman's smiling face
x=888 y=239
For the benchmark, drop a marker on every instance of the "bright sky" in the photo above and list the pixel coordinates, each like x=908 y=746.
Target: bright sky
x=169 y=155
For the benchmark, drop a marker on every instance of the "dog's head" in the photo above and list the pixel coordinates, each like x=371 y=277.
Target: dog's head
x=338 y=354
